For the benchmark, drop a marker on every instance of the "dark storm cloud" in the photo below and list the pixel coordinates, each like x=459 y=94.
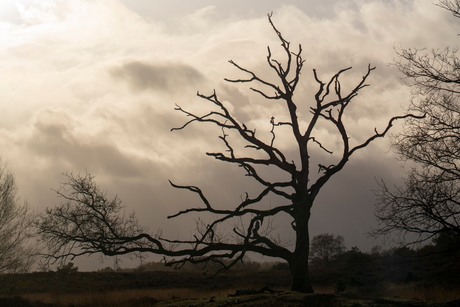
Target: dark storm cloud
x=346 y=205
x=56 y=139
x=164 y=77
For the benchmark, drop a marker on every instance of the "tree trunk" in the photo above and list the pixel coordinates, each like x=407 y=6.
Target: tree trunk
x=300 y=276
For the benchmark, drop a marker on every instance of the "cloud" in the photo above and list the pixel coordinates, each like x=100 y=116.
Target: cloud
x=64 y=106
x=162 y=77
x=56 y=136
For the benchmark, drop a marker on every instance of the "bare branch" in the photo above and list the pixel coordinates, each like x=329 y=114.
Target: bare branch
x=385 y=131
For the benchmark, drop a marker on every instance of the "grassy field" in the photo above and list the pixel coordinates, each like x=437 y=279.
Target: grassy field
x=114 y=289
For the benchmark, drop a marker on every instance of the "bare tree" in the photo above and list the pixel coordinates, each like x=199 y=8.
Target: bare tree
x=452 y=6
x=88 y=222
x=16 y=254
x=428 y=202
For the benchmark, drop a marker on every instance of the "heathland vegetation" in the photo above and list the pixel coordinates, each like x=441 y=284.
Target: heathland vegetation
x=427 y=276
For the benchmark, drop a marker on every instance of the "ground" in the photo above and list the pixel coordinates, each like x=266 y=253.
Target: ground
x=158 y=289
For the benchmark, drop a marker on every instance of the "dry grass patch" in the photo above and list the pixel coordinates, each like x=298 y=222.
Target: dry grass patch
x=426 y=293
x=135 y=297
x=409 y=291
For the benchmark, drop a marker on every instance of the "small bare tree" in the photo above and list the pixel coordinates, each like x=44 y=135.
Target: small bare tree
x=88 y=222
x=428 y=203
x=16 y=253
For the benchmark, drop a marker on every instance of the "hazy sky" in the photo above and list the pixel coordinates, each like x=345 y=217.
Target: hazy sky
x=90 y=85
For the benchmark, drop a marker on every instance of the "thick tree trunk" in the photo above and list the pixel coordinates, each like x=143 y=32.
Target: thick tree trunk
x=300 y=276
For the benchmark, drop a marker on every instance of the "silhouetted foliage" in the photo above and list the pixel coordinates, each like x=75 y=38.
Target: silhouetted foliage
x=280 y=266
x=427 y=266
x=448 y=241
x=88 y=222
x=326 y=247
x=66 y=269
x=348 y=268
x=428 y=203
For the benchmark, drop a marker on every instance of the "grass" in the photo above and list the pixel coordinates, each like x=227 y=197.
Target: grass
x=421 y=292
x=187 y=289
x=411 y=293
x=129 y=297
x=389 y=294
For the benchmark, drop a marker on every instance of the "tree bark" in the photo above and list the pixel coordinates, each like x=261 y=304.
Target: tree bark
x=300 y=276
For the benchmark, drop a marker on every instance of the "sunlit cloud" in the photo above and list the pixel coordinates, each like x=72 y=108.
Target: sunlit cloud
x=92 y=86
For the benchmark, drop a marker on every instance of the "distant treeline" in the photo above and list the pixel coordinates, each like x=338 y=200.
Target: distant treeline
x=434 y=263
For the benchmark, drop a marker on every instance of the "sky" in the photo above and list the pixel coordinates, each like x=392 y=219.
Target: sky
x=91 y=86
